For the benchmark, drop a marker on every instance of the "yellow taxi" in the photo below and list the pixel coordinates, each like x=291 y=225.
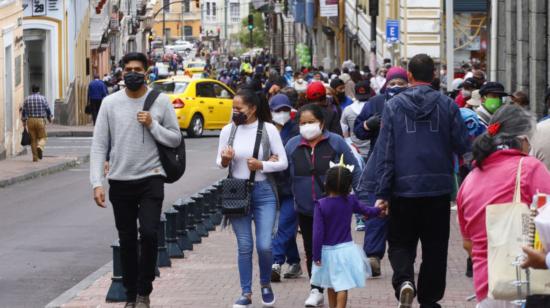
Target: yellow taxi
x=199 y=103
x=195 y=67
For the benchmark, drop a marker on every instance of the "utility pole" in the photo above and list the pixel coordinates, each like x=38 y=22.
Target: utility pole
x=449 y=16
x=226 y=4
x=164 y=30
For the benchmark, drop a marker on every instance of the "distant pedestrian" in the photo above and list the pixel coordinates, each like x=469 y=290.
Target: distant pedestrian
x=96 y=92
x=340 y=265
x=309 y=157
x=136 y=176
x=421 y=131
x=339 y=97
x=521 y=99
x=316 y=93
x=492 y=94
x=378 y=81
x=251 y=116
x=35 y=112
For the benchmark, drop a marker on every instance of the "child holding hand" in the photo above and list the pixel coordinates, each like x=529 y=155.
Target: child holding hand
x=339 y=264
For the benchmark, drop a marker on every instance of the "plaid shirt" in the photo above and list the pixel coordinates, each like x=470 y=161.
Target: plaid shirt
x=36 y=106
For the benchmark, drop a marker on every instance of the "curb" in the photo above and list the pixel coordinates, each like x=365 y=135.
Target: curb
x=82 y=285
x=70 y=134
x=50 y=170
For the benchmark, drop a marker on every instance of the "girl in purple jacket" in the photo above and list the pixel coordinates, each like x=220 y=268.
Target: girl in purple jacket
x=339 y=265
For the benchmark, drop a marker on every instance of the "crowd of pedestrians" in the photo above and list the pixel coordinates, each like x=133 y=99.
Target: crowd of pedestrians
x=318 y=148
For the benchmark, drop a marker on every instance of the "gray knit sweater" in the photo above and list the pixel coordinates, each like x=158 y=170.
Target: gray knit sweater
x=133 y=151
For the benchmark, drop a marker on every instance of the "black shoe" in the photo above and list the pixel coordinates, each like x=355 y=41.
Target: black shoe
x=469 y=268
x=39 y=153
x=375 y=266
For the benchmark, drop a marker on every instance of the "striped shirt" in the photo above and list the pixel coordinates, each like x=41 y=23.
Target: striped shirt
x=36 y=106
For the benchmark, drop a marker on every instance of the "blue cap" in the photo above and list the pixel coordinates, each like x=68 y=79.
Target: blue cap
x=279 y=101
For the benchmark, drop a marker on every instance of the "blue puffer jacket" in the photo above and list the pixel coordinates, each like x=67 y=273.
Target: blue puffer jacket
x=421 y=130
x=303 y=183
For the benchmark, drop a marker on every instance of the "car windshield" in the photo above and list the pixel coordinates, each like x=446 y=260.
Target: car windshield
x=171 y=87
x=193 y=65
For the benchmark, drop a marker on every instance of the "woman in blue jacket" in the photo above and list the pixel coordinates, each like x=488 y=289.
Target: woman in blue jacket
x=309 y=156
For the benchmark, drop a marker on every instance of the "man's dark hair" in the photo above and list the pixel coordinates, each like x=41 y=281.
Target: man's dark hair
x=422 y=67
x=135 y=56
x=35 y=88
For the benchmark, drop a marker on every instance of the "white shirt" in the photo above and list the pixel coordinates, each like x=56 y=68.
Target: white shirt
x=244 y=148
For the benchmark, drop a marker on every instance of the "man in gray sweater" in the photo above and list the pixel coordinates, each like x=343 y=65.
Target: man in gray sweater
x=128 y=135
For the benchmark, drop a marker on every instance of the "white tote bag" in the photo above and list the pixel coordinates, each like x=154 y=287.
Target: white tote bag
x=507 y=232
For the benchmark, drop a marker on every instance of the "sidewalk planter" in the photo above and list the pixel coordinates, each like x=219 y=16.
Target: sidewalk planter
x=163 y=260
x=117 y=292
x=174 y=250
x=181 y=225
x=191 y=224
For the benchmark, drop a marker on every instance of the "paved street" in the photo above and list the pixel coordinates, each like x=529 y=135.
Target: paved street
x=208 y=278
x=52 y=235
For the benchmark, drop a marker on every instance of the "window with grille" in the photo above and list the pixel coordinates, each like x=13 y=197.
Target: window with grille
x=235 y=12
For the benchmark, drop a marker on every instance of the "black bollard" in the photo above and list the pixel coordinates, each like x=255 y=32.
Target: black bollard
x=117 y=292
x=204 y=203
x=163 y=259
x=191 y=224
x=181 y=230
x=197 y=215
x=174 y=250
x=217 y=216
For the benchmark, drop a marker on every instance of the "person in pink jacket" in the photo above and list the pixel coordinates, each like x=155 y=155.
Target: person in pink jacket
x=497 y=154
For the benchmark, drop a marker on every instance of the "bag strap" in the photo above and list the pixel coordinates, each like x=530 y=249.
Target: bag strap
x=312 y=170
x=517 y=191
x=150 y=99
x=259 y=134
x=230 y=143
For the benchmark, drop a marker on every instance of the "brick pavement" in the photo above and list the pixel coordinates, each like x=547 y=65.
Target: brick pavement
x=207 y=277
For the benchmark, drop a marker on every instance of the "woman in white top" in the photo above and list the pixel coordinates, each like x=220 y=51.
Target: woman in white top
x=249 y=109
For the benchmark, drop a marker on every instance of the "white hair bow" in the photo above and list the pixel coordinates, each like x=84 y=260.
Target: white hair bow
x=341 y=164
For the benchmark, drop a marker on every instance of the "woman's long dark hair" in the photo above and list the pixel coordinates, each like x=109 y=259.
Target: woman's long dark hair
x=514 y=122
x=256 y=99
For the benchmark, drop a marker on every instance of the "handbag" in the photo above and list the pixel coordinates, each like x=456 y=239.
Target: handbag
x=237 y=193
x=88 y=108
x=25 y=138
x=508 y=227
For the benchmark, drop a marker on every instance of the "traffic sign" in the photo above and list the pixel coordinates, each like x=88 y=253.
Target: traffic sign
x=392 y=31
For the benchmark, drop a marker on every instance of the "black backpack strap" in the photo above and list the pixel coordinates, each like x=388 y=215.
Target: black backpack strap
x=257 y=148
x=312 y=170
x=150 y=99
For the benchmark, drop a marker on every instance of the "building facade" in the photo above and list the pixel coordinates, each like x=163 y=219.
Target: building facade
x=12 y=83
x=181 y=20
x=224 y=18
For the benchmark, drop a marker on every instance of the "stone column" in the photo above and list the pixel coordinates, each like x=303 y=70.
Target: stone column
x=522 y=47
x=510 y=66
x=537 y=51
x=501 y=42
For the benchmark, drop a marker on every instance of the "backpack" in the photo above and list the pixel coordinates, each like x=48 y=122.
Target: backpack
x=172 y=159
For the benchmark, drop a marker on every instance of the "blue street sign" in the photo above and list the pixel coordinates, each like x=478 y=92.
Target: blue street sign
x=392 y=31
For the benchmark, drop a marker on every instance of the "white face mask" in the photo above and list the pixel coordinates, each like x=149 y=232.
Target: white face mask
x=310 y=131
x=466 y=93
x=281 y=117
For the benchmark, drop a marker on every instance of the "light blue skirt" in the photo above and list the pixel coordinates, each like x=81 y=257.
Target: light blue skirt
x=344 y=266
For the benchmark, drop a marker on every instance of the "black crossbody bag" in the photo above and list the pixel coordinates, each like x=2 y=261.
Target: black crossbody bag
x=237 y=193
x=313 y=172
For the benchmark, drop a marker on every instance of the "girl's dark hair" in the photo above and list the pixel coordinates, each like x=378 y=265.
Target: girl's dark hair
x=514 y=122
x=256 y=99
x=315 y=110
x=338 y=181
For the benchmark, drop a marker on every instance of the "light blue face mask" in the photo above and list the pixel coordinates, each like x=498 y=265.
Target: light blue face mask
x=391 y=92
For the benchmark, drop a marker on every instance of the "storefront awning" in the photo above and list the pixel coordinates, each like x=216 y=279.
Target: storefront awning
x=98 y=26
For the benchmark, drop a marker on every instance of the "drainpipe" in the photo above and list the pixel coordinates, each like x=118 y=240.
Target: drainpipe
x=449 y=17
x=494 y=36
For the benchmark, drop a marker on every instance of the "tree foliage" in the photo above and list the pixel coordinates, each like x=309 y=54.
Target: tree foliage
x=258 y=34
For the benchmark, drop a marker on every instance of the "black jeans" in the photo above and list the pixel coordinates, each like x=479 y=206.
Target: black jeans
x=306 y=226
x=137 y=200
x=426 y=219
x=95 y=104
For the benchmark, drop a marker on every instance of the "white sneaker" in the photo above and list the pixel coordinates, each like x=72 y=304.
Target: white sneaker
x=315 y=299
x=406 y=295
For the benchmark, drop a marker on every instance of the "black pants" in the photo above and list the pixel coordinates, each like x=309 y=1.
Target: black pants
x=95 y=104
x=306 y=226
x=137 y=200
x=428 y=220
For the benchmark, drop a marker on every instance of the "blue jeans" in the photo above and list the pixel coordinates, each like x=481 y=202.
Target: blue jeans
x=376 y=229
x=263 y=211
x=284 y=243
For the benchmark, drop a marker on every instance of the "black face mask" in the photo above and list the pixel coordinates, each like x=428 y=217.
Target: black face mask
x=133 y=81
x=341 y=96
x=239 y=118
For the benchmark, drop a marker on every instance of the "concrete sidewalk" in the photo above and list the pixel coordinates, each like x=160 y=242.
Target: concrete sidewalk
x=208 y=277
x=60 y=154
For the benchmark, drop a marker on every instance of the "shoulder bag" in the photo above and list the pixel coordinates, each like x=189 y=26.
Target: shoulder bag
x=237 y=193
x=313 y=172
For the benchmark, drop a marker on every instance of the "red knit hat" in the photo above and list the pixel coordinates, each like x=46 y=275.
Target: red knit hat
x=316 y=91
x=395 y=73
